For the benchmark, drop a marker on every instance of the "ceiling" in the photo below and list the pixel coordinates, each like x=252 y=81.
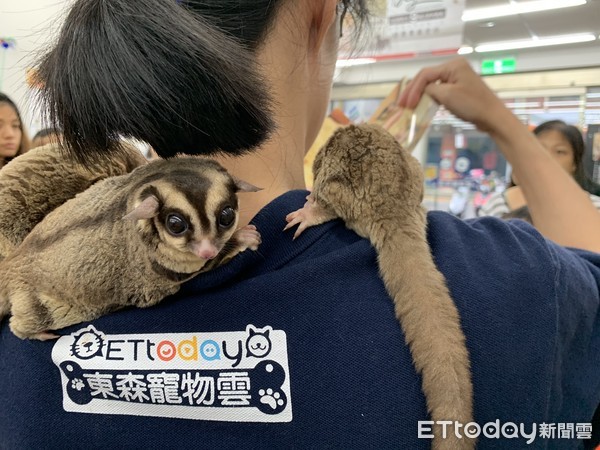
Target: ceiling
x=573 y=20
x=578 y=19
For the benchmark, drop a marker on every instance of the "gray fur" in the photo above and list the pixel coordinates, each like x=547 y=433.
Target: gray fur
x=37 y=182
x=85 y=260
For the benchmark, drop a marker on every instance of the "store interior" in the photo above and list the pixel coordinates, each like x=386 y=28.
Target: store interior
x=546 y=75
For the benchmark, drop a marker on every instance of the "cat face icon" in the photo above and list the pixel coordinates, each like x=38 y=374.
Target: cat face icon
x=258 y=343
x=88 y=343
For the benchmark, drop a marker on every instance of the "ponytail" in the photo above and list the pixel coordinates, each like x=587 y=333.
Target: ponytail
x=154 y=71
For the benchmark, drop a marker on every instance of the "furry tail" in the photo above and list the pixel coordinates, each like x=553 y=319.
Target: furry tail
x=155 y=71
x=431 y=324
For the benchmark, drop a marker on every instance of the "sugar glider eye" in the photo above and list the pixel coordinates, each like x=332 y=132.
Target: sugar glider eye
x=227 y=217
x=176 y=225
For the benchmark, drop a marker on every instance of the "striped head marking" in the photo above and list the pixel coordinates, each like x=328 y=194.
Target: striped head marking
x=189 y=209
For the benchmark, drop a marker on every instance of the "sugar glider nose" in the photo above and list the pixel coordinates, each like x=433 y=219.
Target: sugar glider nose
x=204 y=249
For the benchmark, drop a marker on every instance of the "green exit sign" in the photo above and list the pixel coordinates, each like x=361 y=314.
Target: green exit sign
x=491 y=66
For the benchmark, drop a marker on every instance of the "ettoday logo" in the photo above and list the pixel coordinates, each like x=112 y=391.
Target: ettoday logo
x=240 y=376
x=90 y=343
x=507 y=430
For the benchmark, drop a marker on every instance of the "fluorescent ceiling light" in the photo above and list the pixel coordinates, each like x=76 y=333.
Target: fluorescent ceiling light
x=466 y=50
x=514 y=8
x=354 y=62
x=564 y=103
x=532 y=43
x=523 y=105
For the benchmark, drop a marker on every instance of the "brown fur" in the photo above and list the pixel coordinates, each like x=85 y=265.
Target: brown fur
x=37 y=182
x=364 y=177
x=108 y=247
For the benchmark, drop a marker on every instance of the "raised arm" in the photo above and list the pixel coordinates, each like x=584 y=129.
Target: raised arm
x=559 y=208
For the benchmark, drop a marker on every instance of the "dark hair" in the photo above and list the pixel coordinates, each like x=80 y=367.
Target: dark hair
x=24 y=145
x=178 y=75
x=575 y=138
x=45 y=132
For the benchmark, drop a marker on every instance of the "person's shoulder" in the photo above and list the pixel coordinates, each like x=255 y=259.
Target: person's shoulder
x=494 y=241
x=489 y=230
x=490 y=251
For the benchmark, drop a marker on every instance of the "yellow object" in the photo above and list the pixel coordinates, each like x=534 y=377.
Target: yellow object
x=337 y=119
x=406 y=125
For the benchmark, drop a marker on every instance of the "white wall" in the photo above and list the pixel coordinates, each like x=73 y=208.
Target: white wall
x=33 y=23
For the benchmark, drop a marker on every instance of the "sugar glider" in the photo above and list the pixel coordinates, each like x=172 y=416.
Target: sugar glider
x=363 y=176
x=35 y=183
x=128 y=240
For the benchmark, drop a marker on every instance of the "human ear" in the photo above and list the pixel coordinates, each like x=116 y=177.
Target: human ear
x=324 y=15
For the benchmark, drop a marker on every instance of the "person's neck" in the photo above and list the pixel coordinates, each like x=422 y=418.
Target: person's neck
x=276 y=168
x=278 y=165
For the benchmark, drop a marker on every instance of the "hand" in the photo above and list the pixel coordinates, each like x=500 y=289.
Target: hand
x=559 y=208
x=463 y=92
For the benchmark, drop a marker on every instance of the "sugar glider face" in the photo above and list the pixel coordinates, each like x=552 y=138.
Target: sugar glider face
x=190 y=205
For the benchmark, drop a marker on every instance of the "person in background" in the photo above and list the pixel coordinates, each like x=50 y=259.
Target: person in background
x=45 y=136
x=296 y=345
x=13 y=138
x=565 y=143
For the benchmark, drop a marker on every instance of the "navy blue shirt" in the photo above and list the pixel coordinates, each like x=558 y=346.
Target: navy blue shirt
x=297 y=346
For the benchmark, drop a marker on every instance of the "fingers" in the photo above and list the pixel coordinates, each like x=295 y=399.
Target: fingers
x=439 y=92
x=414 y=90
x=443 y=73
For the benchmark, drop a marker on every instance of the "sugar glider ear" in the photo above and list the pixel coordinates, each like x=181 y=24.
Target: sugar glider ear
x=145 y=210
x=243 y=186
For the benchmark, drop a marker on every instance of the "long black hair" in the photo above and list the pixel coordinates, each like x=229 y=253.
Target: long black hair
x=575 y=138
x=180 y=75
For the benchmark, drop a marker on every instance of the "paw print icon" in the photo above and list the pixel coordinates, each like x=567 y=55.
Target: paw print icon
x=77 y=384
x=270 y=401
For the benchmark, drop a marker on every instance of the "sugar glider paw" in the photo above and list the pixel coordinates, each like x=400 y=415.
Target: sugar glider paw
x=34 y=315
x=309 y=215
x=248 y=237
x=45 y=336
x=22 y=329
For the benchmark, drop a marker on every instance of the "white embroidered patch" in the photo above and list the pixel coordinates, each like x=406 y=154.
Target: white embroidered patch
x=238 y=376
